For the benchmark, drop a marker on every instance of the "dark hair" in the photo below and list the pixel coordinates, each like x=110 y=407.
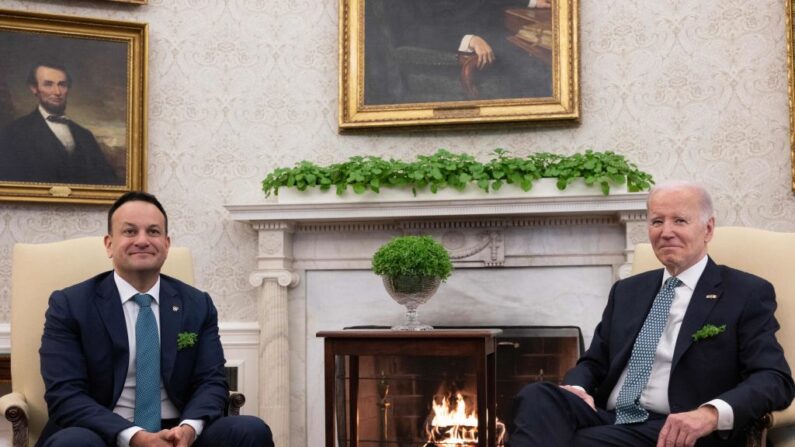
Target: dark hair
x=32 y=81
x=135 y=196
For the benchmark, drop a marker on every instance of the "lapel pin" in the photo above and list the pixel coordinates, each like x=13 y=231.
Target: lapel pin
x=712 y=296
x=176 y=308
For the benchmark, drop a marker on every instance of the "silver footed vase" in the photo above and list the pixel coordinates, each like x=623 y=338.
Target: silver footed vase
x=411 y=291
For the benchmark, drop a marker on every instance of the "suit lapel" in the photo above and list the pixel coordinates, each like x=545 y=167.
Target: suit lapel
x=634 y=313
x=49 y=140
x=108 y=304
x=699 y=309
x=171 y=312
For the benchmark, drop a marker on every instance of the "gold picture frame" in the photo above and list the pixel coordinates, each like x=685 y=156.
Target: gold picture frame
x=415 y=63
x=791 y=88
x=103 y=66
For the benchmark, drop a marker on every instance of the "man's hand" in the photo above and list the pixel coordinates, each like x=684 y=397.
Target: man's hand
x=483 y=50
x=543 y=4
x=581 y=394
x=684 y=429
x=181 y=435
x=146 y=439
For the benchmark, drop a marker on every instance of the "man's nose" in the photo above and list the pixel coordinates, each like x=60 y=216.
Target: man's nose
x=667 y=230
x=141 y=239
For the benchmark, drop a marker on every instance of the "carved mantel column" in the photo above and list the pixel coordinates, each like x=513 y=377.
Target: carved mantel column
x=274 y=276
x=636 y=233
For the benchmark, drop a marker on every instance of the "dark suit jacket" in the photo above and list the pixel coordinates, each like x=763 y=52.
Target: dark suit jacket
x=30 y=152
x=84 y=355
x=744 y=365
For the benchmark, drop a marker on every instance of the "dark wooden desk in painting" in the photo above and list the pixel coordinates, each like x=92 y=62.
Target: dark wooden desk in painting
x=420 y=367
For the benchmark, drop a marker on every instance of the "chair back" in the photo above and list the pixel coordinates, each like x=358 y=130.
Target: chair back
x=767 y=254
x=39 y=269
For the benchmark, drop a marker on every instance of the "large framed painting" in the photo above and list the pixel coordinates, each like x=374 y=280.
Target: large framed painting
x=449 y=62
x=72 y=108
x=791 y=66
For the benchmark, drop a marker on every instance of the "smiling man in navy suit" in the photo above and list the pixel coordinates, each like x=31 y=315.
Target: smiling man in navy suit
x=132 y=357
x=685 y=355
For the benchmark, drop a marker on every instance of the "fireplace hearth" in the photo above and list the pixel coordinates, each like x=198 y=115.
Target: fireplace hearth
x=432 y=389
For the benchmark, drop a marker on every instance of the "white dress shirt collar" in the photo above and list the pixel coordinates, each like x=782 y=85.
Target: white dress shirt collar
x=690 y=276
x=127 y=291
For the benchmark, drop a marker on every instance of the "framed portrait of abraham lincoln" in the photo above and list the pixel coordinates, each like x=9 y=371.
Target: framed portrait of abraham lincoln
x=72 y=108
x=450 y=62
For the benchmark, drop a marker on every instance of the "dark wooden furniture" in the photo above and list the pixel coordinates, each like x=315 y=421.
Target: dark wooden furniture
x=5 y=368
x=479 y=345
x=538 y=19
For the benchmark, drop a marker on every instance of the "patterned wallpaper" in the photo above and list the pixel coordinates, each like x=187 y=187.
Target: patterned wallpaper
x=692 y=89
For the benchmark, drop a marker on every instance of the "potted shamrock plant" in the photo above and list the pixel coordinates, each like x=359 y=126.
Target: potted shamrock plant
x=412 y=267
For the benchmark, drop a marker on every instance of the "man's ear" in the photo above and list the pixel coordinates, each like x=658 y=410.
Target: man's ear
x=34 y=89
x=710 y=229
x=107 y=242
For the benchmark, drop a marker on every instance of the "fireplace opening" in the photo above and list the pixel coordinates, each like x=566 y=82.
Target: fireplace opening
x=420 y=400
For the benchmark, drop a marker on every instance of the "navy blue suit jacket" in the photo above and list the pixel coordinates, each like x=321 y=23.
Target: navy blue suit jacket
x=744 y=365
x=30 y=152
x=85 y=354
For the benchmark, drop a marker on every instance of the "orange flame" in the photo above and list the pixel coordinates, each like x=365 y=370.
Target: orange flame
x=453 y=426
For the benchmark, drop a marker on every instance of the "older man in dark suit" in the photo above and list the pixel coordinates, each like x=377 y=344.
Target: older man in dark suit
x=132 y=357
x=683 y=356
x=45 y=146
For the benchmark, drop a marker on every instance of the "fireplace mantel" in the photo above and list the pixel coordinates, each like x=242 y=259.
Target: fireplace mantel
x=296 y=239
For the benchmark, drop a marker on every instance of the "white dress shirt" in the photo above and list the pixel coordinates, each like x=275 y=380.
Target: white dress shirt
x=655 y=395
x=125 y=407
x=61 y=131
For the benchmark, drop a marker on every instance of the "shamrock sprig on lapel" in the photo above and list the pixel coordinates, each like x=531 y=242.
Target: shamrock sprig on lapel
x=186 y=340
x=708 y=331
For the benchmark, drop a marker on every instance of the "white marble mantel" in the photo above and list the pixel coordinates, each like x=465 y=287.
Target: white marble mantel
x=312 y=262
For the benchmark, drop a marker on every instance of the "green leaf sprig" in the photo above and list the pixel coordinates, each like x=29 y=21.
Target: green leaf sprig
x=445 y=169
x=708 y=331
x=186 y=340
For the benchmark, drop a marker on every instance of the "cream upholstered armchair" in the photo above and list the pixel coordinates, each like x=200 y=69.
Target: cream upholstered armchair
x=37 y=270
x=770 y=255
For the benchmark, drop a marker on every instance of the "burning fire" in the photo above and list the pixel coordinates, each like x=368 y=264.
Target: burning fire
x=453 y=426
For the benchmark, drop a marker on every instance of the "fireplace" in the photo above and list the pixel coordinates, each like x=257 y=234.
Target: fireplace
x=524 y=261
x=441 y=388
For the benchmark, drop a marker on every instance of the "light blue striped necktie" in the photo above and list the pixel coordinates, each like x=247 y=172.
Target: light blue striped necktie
x=147 y=366
x=628 y=409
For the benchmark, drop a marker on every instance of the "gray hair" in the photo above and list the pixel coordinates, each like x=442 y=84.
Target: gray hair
x=704 y=202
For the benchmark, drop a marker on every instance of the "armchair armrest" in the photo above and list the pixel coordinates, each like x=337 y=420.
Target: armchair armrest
x=756 y=435
x=783 y=418
x=236 y=401
x=14 y=407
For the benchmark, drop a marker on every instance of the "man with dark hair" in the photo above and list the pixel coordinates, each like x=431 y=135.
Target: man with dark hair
x=47 y=147
x=685 y=355
x=132 y=357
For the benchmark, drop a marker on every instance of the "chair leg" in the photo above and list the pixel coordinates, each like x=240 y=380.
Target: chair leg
x=19 y=425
